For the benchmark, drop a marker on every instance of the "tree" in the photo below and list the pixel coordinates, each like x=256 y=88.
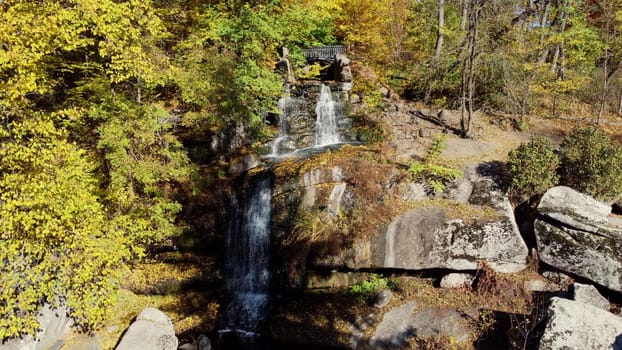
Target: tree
x=467 y=80
x=63 y=239
x=441 y=27
x=56 y=243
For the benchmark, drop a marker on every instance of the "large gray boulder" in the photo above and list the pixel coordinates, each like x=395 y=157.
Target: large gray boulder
x=575 y=325
x=588 y=294
x=573 y=236
x=54 y=325
x=403 y=322
x=448 y=233
x=573 y=208
x=152 y=330
x=425 y=239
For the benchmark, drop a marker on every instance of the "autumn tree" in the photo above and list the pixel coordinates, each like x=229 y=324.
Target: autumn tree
x=68 y=228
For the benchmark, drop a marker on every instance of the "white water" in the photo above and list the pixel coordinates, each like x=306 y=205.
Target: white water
x=326 y=122
x=247 y=259
x=285 y=104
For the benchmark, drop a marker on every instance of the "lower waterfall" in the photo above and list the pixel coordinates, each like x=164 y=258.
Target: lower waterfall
x=247 y=258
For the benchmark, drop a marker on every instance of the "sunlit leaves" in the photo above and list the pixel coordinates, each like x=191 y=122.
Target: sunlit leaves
x=55 y=242
x=142 y=158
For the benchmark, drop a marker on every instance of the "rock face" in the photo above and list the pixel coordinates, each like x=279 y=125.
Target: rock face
x=341 y=69
x=152 y=330
x=425 y=238
x=572 y=234
x=402 y=323
x=428 y=237
x=575 y=325
x=297 y=120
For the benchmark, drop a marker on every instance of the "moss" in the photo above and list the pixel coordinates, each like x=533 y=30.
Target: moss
x=457 y=210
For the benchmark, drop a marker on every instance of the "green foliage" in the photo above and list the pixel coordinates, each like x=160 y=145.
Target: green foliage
x=592 y=163
x=369 y=288
x=369 y=90
x=56 y=243
x=434 y=174
x=533 y=167
x=369 y=133
x=310 y=72
x=142 y=158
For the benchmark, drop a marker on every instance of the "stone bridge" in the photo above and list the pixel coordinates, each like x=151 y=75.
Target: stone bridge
x=323 y=53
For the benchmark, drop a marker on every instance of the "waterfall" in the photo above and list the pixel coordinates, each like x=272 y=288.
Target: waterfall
x=285 y=105
x=247 y=259
x=326 y=122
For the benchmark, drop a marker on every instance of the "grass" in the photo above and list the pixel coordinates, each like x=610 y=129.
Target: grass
x=456 y=210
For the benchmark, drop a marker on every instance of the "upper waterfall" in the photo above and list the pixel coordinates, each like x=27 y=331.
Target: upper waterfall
x=326 y=122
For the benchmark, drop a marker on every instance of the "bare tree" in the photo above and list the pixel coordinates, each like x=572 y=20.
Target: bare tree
x=467 y=83
x=440 y=28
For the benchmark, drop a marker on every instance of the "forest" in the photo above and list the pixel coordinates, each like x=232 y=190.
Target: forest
x=102 y=101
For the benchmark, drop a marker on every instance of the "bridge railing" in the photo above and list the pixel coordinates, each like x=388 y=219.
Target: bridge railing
x=323 y=53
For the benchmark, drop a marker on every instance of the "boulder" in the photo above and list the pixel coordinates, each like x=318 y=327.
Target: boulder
x=573 y=234
x=403 y=322
x=152 y=330
x=201 y=343
x=457 y=280
x=54 y=324
x=588 y=294
x=383 y=298
x=425 y=239
x=574 y=209
x=592 y=256
x=576 y=325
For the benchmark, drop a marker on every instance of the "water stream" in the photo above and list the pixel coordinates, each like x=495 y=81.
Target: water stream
x=285 y=105
x=326 y=122
x=247 y=258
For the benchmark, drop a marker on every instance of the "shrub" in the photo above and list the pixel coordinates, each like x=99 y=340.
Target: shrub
x=434 y=174
x=533 y=167
x=592 y=163
x=368 y=288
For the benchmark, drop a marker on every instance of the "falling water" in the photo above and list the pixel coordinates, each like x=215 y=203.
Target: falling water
x=247 y=259
x=285 y=104
x=326 y=122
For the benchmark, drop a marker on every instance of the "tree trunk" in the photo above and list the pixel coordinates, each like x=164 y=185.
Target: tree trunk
x=557 y=64
x=543 y=20
x=465 y=15
x=620 y=103
x=441 y=24
x=468 y=69
x=603 y=95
